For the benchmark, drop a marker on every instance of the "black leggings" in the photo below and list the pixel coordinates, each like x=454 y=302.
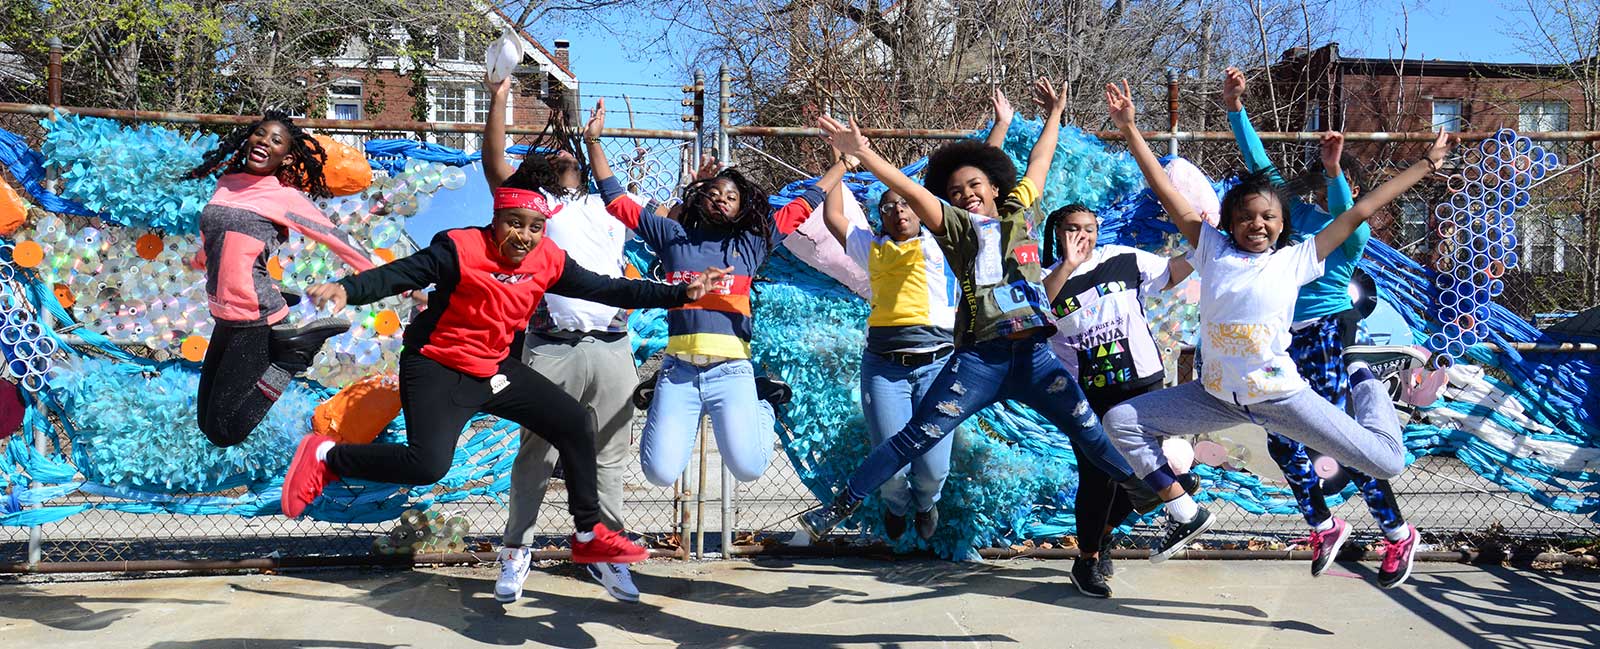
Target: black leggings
x=438 y=403
x=231 y=401
x=1100 y=503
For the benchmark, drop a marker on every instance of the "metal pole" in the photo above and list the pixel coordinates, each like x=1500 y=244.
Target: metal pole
x=53 y=86
x=1172 y=112
x=698 y=112
x=700 y=499
x=724 y=152
x=41 y=440
x=727 y=509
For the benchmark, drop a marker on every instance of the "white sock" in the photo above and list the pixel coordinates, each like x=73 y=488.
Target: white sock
x=1398 y=534
x=585 y=537
x=1182 y=509
x=1323 y=526
x=1357 y=365
x=322 y=450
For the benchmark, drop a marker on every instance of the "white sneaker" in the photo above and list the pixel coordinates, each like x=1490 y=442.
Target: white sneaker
x=514 y=564
x=616 y=579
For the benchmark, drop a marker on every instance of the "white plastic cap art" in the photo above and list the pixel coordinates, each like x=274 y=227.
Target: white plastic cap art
x=503 y=56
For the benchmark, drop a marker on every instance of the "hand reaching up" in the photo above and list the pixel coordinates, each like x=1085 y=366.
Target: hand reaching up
x=597 y=121
x=1332 y=148
x=1047 y=97
x=1119 y=103
x=1003 y=112
x=846 y=139
x=1233 y=84
x=1440 y=148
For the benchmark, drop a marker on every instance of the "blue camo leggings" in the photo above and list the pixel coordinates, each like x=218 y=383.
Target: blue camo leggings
x=1317 y=351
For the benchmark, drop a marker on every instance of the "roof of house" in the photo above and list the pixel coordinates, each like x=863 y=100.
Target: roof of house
x=1443 y=68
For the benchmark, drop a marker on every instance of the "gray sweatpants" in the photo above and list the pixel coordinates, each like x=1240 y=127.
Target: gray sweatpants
x=601 y=376
x=1371 y=442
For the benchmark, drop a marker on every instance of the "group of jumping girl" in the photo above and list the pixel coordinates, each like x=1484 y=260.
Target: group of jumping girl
x=967 y=309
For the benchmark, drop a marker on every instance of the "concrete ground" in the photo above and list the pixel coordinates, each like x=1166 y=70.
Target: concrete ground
x=815 y=604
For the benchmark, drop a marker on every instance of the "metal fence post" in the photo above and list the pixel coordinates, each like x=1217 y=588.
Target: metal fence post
x=700 y=498
x=724 y=147
x=1172 y=112
x=41 y=441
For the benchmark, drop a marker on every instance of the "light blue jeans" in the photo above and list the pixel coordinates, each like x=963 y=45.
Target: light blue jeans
x=742 y=423
x=890 y=393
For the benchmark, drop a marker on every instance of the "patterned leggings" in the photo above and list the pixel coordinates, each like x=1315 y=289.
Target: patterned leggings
x=1318 y=352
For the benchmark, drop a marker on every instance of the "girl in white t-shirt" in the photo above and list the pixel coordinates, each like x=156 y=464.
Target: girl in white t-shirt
x=1250 y=279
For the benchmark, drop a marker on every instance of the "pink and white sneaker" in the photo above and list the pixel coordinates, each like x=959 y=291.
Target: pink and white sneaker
x=1325 y=545
x=1397 y=559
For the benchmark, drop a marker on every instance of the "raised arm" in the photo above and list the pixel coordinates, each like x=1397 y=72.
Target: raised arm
x=789 y=217
x=848 y=140
x=833 y=215
x=495 y=168
x=1244 y=133
x=598 y=165
x=1333 y=236
x=1002 y=119
x=1044 y=150
x=1120 y=102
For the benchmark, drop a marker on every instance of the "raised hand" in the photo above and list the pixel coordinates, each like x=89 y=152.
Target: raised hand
x=1119 y=103
x=1440 y=148
x=328 y=295
x=1233 y=83
x=846 y=139
x=1332 y=148
x=1075 y=250
x=597 y=121
x=497 y=88
x=1003 y=112
x=708 y=169
x=707 y=281
x=1046 y=97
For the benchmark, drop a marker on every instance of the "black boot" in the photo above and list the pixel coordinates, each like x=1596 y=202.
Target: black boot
x=645 y=392
x=818 y=522
x=293 y=348
x=773 y=391
x=894 y=525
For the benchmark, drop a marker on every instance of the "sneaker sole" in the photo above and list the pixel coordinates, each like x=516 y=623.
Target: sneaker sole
x=316 y=326
x=619 y=595
x=303 y=455
x=1086 y=593
x=1332 y=555
x=1158 y=557
x=506 y=599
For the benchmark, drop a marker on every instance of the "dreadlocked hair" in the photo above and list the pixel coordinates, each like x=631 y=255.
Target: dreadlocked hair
x=552 y=152
x=994 y=163
x=305 y=172
x=1259 y=183
x=1052 y=250
x=753 y=208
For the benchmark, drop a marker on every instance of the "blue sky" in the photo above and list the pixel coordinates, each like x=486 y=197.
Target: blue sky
x=1438 y=29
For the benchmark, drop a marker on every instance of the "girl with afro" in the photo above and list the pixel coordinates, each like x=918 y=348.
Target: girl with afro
x=268 y=169
x=725 y=221
x=1003 y=323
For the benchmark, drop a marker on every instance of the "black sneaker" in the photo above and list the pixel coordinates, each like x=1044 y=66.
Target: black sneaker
x=1088 y=579
x=818 y=522
x=1144 y=499
x=645 y=392
x=1190 y=482
x=1391 y=364
x=927 y=523
x=1103 y=565
x=1180 y=534
x=291 y=299
x=894 y=525
x=293 y=348
x=773 y=391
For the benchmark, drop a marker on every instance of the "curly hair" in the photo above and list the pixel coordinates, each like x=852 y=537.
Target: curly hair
x=1052 y=249
x=1258 y=183
x=1313 y=177
x=994 y=163
x=754 y=212
x=305 y=172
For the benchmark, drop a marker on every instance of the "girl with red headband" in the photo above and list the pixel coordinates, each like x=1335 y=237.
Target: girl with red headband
x=456 y=362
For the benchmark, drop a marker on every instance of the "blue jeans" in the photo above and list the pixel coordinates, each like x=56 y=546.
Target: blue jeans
x=976 y=377
x=890 y=392
x=742 y=423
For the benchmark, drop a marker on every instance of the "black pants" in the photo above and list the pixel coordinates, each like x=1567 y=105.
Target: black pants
x=439 y=401
x=231 y=403
x=1100 y=503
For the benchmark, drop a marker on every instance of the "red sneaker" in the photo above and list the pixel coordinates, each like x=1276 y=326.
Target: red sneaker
x=306 y=478
x=607 y=547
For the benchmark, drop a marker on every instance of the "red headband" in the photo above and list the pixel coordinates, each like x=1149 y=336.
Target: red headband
x=507 y=198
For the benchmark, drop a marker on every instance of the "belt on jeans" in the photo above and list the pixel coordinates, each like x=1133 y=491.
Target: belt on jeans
x=915 y=359
x=700 y=360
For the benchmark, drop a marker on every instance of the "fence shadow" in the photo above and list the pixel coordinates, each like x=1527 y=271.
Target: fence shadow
x=1505 y=608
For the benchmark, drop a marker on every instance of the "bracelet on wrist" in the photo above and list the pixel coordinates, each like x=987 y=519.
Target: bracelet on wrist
x=591 y=140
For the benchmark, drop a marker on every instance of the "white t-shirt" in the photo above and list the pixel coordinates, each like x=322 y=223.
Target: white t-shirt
x=1102 y=336
x=594 y=239
x=1246 y=303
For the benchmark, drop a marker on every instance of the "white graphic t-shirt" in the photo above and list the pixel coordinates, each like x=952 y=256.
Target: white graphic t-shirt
x=1246 y=304
x=1102 y=336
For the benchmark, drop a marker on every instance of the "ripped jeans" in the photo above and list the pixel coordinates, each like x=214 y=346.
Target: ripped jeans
x=978 y=376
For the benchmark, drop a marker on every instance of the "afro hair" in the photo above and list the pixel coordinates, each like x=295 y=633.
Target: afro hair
x=994 y=163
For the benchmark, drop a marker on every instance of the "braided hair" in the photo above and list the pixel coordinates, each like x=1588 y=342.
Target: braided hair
x=1052 y=248
x=753 y=213
x=305 y=172
x=551 y=153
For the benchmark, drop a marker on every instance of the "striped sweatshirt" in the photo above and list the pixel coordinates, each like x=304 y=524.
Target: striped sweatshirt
x=718 y=324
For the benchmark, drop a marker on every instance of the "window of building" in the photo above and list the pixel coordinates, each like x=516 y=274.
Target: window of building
x=452 y=46
x=1447 y=115
x=344 y=100
x=1551 y=243
x=1542 y=116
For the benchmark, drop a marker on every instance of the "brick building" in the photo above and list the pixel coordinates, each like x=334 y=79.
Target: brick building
x=358 y=85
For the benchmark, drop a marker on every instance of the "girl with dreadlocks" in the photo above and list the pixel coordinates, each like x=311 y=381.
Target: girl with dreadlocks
x=725 y=221
x=268 y=168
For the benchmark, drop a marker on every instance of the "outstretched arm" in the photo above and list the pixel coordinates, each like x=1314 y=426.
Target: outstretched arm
x=833 y=215
x=789 y=217
x=495 y=168
x=1044 y=150
x=1120 y=102
x=1331 y=237
x=848 y=140
x=598 y=165
x=1244 y=133
x=1003 y=113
